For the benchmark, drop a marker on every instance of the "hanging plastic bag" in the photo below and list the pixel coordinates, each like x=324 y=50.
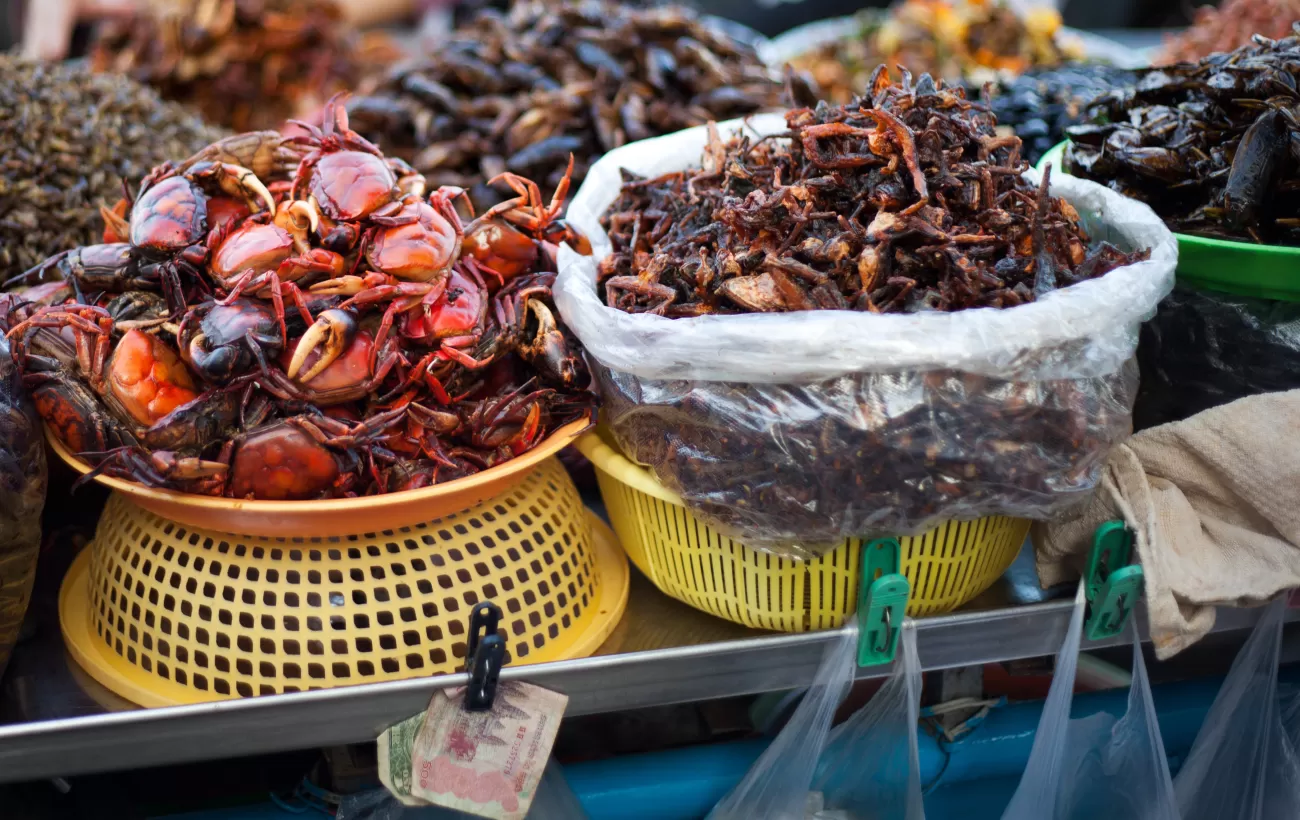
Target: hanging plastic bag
x=1243 y=764
x=554 y=801
x=22 y=493
x=1204 y=349
x=867 y=768
x=777 y=786
x=794 y=431
x=1100 y=766
x=871 y=767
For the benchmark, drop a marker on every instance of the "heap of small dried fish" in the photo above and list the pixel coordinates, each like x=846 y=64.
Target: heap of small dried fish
x=521 y=91
x=68 y=138
x=953 y=39
x=1040 y=104
x=246 y=64
x=904 y=201
x=1229 y=26
x=1207 y=145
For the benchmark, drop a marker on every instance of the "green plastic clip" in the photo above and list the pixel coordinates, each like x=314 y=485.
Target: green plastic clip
x=1112 y=583
x=882 y=602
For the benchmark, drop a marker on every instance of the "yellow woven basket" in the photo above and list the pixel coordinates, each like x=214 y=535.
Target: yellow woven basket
x=947 y=566
x=164 y=614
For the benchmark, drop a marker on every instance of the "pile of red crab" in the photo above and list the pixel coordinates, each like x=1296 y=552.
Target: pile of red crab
x=293 y=318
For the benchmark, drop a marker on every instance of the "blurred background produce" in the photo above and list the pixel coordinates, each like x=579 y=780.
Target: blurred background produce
x=68 y=139
x=977 y=40
x=521 y=90
x=245 y=64
x=1229 y=26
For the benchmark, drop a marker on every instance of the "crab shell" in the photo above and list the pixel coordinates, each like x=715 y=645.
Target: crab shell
x=350 y=185
x=281 y=462
x=169 y=216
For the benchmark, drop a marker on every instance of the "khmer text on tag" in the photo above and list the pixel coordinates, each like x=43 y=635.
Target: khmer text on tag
x=486 y=763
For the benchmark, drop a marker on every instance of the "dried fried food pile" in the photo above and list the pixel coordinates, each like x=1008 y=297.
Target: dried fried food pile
x=1207 y=145
x=520 y=91
x=1229 y=26
x=952 y=39
x=1040 y=104
x=68 y=138
x=904 y=201
x=246 y=64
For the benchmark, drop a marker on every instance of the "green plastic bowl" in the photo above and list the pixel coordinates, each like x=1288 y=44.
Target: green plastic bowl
x=1240 y=268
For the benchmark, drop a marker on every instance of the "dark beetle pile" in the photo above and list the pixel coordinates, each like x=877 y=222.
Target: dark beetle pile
x=1209 y=145
x=901 y=202
x=523 y=90
x=68 y=138
x=905 y=201
x=1039 y=105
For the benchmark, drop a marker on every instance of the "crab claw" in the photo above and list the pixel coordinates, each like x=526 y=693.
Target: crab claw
x=300 y=219
x=238 y=181
x=332 y=332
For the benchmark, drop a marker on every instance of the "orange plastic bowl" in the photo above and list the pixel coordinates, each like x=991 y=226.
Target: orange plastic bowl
x=336 y=516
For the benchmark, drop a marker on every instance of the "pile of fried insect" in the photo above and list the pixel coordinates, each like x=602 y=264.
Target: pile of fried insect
x=292 y=317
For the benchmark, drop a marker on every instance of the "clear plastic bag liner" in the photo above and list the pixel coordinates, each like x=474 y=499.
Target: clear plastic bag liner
x=1243 y=764
x=777 y=785
x=22 y=497
x=1204 y=349
x=554 y=801
x=1089 y=329
x=871 y=767
x=794 y=431
x=1100 y=766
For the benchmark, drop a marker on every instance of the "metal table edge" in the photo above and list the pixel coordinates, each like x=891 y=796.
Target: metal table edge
x=150 y=737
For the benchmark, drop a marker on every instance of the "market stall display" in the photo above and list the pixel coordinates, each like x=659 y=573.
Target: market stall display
x=521 y=91
x=68 y=139
x=796 y=428
x=245 y=64
x=1228 y=26
x=1206 y=145
x=953 y=39
x=343 y=336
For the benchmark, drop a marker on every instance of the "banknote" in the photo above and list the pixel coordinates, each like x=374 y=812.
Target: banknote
x=395 y=747
x=488 y=763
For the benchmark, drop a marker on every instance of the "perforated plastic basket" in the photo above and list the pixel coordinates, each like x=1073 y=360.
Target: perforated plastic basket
x=164 y=614
x=947 y=566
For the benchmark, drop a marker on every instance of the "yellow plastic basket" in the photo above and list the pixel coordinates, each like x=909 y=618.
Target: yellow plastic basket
x=685 y=558
x=164 y=614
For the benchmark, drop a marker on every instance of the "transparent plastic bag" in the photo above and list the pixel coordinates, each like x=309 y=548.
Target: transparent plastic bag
x=867 y=768
x=22 y=496
x=1243 y=764
x=1204 y=349
x=777 y=786
x=554 y=801
x=793 y=431
x=1101 y=766
x=871 y=767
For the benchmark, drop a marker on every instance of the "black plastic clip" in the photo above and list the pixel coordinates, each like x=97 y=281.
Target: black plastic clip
x=485 y=654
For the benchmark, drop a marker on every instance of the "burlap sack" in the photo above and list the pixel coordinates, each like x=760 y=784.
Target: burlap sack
x=1215 y=503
